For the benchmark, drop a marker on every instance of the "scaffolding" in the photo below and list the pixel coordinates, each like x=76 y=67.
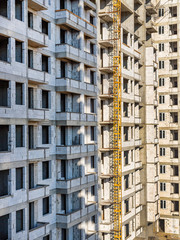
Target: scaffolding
x=117 y=136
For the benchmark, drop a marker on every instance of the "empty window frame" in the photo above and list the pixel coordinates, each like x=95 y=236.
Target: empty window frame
x=63 y=202
x=92 y=77
x=19 y=93
x=126 y=204
x=30 y=58
x=63 y=102
x=4 y=8
x=127 y=230
x=30 y=20
x=161 y=47
x=19 y=136
x=161 y=64
x=63 y=69
x=19 y=51
x=91 y=19
x=4 y=186
x=161 y=82
x=126 y=182
x=162 y=169
x=4 y=49
x=92 y=105
x=4 y=139
x=161 y=12
x=63 y=230
x=63 y=135
x=46 y=134
x=92 y=162
x=46 y=169
x=31 y=176
x=92 y=48
x=4 y=93
x=92 y=133
x=19 y=9
x=62 y=36
x=92 y=190
x=45 y=99
x=30 y=98
x=161 y=99
x=46 y=205
x=45 y=26
x=163 y=187
x=46 y=237
x=161 y=117
x=162 y=134
x=45 y=63
x=161 y=29
x=20 y=220
x=19 y=178
x=163 y=204
x=126 y=158
x=31 y=215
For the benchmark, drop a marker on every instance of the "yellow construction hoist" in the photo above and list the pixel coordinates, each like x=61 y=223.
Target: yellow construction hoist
x=117 y=141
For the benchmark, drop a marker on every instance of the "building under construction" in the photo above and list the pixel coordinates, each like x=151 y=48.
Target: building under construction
x=89 y=120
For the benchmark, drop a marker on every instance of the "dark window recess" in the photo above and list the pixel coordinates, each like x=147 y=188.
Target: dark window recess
x=31 y=215
x=63 y=69
x=45 y=99
x=31 y=136
x=92 y=105
x=92 y=162
x=30 y=20
x=45 y=27
x=63 y=169
x=92 y=134
x=92 y=77
x=45 y=170
x=45 y=63
x=45 y=134
x=19 y=52
x=3 y=8
x=30 y=98
x=4 y=179
x=4 y=85
x=161 y=225
x=4 y=48
x=4 y=220
x=31 y=176
x=46 y=237
x=19 y=93
x=4 y=132
x=127 y=230
x=63 y=202
x=45 y=205
x=19 y=136
x=63 y=102
x=19 y=220
x=91 y=19
x=91 y=48
x=30 y=58
x=63 y=234
x=126 y=202
x=63 y=135
x=92 y=190
x=19 y=9
x=62 y=6
x=19 y=178
x=93 y=219
x=62 y=36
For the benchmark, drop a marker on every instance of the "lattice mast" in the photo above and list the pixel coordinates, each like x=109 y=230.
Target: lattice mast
x=117 y=137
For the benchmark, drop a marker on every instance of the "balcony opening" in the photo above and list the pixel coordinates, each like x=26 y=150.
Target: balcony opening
x=172 y=47
x=126 y=182
x=20 y=136
x=92 y=48
x=92 y=77
x=31 y=176
x=46 y=205
x=30 y=20
x=4 y=186
x=175 y=188
x=4 y=139
x=174 y=135
x=4 y=220
x=30 y=98
x=125 y=61
x=63 y=203
x=62 y=6
x=92 y=133
x=125 y=109
x=45 y=170
x=20 y=220
x=19 y=10
x=175 y=170
x=75 y=103
x=174 y=152
x=175 y=206
x=62 y=36
x=4 y=47
x=125 y=85
x=127 y=230
x=125 y=37
x=92 y=190
x=126 y=203
x=45 y=63
x=45 y=135
x=92 y=162
x=30 y=58
x=173 y=82
x=63 y=234
x=75 y=136
x=76 y=168
x=45 y=99
x=19 y=93
x=31 y=215
x=19 y=178
x=46 y=237
x=173 y=29
x=19 y=51
x=63 y=135
x=173 y=64
x=91 y=19
x=174 y=99
x=63 y=102
x=126 y=133
x=31 y=137
x=4 y=93
x=63 y=169
x=101 y=56
x=126 y=158
x=173 y=11
x=45 y=26
x=4 y=8
x=161 y=225
x=63 y=69
x=76 y=201
x=92 y=105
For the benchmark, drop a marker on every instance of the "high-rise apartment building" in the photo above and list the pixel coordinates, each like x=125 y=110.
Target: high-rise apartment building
x=56 y=119
x=167 y=43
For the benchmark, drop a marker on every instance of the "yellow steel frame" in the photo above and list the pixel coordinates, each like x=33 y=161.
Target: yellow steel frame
x=117 y=141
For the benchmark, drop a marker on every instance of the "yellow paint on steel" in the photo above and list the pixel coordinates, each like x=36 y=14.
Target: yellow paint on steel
x=117 y=136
